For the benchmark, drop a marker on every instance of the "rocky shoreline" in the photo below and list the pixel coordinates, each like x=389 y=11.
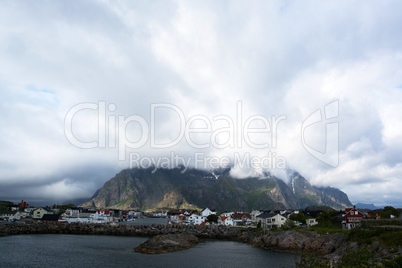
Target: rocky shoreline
x=214 y=231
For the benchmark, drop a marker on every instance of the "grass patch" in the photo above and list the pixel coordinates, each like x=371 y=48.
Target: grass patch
x=351 y=258
x=121 y=203
x=368 y=236
x=328 y=230
x=392 y=239
x=395 y=263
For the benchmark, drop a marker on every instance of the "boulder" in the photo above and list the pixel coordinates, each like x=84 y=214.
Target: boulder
x=167 y=243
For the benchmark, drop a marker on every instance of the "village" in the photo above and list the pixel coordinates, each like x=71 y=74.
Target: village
x=265 y=219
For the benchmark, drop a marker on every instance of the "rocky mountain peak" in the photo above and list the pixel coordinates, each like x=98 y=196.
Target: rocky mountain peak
x=173 y=189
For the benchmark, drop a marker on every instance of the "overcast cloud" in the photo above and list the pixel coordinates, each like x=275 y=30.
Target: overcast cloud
x=206 y=58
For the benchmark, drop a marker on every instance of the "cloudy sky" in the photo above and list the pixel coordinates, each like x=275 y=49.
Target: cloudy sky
x=92 y=87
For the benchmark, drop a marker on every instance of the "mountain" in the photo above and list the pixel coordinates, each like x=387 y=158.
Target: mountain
x=143 y=189
x=309 y=195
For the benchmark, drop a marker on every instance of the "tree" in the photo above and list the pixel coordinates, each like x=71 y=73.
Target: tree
x=195 y=211
x=327 y=218
x=259 y=225
x=213 y=218
x=388 y=211
x=6 y=205
x=63 y=208
x=300 y=217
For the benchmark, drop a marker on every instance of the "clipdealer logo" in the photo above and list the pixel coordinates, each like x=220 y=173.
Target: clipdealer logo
x=239 y=132
x=115 y=127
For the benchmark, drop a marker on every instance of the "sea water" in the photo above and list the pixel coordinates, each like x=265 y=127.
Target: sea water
x=62 y=250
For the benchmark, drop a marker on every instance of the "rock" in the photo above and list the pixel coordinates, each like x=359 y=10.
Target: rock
x=167 y=243
x=296 y=242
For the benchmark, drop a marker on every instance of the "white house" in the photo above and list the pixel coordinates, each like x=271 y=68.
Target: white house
x=12 y=215
x=135 y=213
x=72 y=212
x=311 y=222
x=177 y=217
x=71 y=216
x=225 y=220
x=18 y=215
x=254 y=214
x=227 y=213
x=103 y=216
x=77 y=219
x=196 y=219
x=28 y=210
x=206 y=212
x=39 y=212
x=269 y=220
x=241 y=218
x=186 y=213
x=160 y=214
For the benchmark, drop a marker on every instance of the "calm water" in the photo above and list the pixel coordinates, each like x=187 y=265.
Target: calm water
x=117 y=251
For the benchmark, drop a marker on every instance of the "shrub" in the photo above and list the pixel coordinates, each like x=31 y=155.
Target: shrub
x=289 y=224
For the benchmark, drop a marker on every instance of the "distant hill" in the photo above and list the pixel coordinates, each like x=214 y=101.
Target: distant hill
x=5 y=205
x=171 y=189
x=366 y=206
x=76 y=202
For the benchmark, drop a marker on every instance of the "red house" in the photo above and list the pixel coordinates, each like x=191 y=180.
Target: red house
x=351 y=218
x=103 y=212
x=243 y=218
x=23 y=204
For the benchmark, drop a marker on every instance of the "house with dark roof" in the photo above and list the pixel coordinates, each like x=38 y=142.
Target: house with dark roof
x=254 y=215
x=271 y=219
x=50 y=217
x=374 y=214
x=7 y=215
x=312 y=213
